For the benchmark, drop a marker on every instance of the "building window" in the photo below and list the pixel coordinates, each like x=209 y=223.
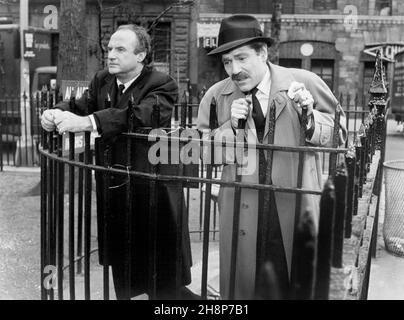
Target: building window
x=291 y=63
x=161 y=46
x=383 y=7
x=256 y=6
x=324 y=68
x=324 y=4
x=368 y=72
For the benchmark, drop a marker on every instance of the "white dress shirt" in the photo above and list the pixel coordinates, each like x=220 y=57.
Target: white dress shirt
x=127 y=85
x=264 y=89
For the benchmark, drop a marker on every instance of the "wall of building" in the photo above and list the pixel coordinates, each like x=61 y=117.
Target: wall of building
x=349 y=32
x=207 y=6
x=138 y=12
x=364 y=7
x=349 y=42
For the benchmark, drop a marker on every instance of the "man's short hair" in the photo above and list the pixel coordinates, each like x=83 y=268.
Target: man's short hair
x=258 y=46
x=144 y=40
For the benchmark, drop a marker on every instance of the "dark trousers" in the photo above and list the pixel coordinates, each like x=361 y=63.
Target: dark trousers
x=162 y=293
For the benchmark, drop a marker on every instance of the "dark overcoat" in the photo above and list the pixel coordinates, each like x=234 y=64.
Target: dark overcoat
x=149 y=89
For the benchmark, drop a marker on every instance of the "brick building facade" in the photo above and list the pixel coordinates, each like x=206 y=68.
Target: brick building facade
x=335 y=39
x=172 y=45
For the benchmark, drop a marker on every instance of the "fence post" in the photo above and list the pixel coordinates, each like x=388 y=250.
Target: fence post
x=1 y=137
x=335 y=143
x=208 y=194
x=268 y=209
x=106 y=210
x=378 y=104
x=350 y=163
x=324 y=244
x=340 y=181
x=298 y=205
x=87 y=214
x=153 y=215
x=306 y=246
x=44 y=219
x=129 y=194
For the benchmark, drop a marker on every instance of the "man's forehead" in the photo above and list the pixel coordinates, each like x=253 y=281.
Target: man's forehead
x=123 y=37
x=240 y=50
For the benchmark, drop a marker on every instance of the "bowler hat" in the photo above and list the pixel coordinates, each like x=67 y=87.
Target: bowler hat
x=238 y=30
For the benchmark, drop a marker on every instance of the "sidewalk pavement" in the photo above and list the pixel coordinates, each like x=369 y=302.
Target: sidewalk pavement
x=20 y=243
x=387 y=270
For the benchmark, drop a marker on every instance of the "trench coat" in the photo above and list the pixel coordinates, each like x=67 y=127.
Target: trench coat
x=149 y=89
x=284 y=170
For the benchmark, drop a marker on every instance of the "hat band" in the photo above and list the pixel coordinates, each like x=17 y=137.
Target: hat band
x=238 y=34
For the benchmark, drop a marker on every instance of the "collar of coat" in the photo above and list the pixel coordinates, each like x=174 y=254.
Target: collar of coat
x=281 y=79
x=110 y=84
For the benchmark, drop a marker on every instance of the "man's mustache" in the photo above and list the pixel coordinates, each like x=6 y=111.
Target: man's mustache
x=239 y=76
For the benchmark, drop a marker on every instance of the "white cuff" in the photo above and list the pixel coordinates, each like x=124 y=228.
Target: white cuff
x=94 y=124
x=315 y=138
x=309 y=120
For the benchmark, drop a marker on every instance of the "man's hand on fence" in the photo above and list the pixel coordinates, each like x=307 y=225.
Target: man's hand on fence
x=70 y=122
x=302 y=98
x=48 y=119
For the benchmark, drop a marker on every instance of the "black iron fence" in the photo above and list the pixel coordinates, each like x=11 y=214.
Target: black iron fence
x=20 y=122
x=20 y=127
x=314 y=253
x=19 y=130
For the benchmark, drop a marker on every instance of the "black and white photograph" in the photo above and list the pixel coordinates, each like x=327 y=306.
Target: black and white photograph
x=225 y=151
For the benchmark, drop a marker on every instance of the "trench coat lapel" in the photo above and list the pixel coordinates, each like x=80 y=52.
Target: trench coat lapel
x=108 y=88
x=133 y=90
x=281 y=80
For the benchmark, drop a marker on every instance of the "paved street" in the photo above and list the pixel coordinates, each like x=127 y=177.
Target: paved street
x=20 y=242
x=19 y=236
x=387 y=270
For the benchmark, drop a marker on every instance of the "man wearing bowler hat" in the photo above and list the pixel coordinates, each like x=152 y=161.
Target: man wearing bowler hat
x=253 y=88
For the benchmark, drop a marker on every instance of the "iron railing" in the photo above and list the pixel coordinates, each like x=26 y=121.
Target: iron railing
x=314 y=253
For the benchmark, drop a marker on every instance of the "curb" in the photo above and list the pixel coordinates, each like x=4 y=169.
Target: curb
x=21 y=169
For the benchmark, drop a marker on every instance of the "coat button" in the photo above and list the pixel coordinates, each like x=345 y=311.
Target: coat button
x=244 y=206
x=242 y=233
x=324 y=139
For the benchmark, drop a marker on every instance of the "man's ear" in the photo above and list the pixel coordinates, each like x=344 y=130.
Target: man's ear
x=141 y=56
x=264 y=53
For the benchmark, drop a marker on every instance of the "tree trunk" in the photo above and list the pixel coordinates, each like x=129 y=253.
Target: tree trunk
x=275 y=31
x=72 y=56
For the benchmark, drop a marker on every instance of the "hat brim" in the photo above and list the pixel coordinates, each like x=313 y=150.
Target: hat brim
x=234 y=44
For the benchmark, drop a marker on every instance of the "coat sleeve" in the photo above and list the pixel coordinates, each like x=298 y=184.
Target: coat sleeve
x=223 y=133
x=325 y=105
x=86 y=104
x=160 y=92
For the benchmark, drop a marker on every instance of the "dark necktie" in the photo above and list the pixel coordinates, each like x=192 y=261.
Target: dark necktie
x=258 y=116
x=121 y=87
x=275 y=251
